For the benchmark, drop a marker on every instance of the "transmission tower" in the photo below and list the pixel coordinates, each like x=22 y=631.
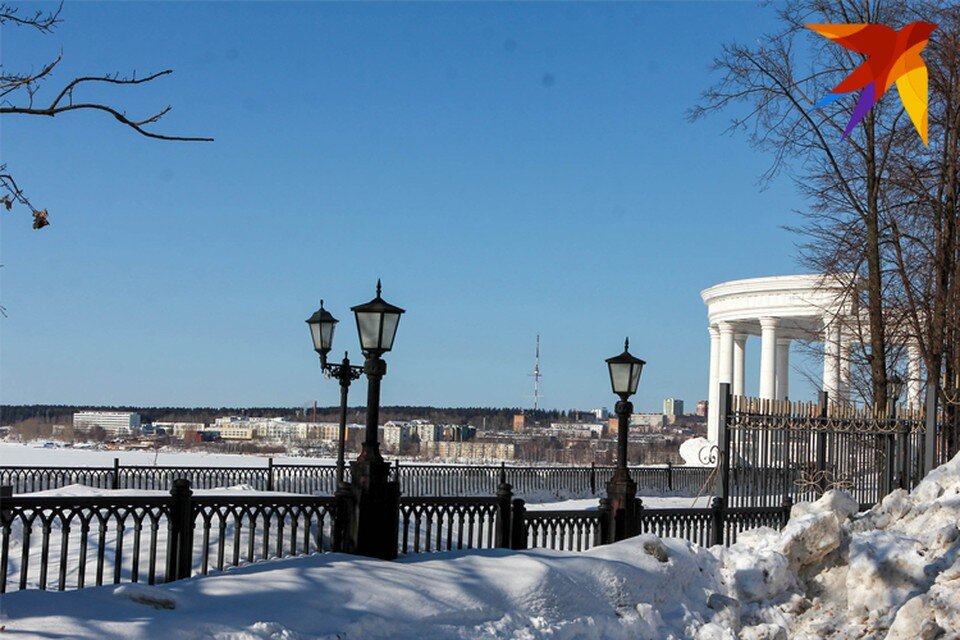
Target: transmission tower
x=536 y=377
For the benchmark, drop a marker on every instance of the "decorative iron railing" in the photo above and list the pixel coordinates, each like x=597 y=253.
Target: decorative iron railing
x=562 y=530
x=415 y=479
x=66 y=542
x=777 y=449
x=446 y=524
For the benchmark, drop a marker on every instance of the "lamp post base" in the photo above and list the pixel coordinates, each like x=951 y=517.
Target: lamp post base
x=622 y=497
x=374 y=512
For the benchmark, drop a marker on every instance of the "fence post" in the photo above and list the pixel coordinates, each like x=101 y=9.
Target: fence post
x=669 y=476
x=606 y=521
x=518 y=526
x=620 y=525
x=888 y=464
x=593 y=478
x=503 y=474
x=787 y=506
x=930 y=432
x=638 y=517
x=717 y=518
x=823 y=399
x=6 y=491
x=115 y=484
x=504 y=517
x=269 y=474
x=724 y=412
x=343 y=520
x=180 y=541
x=904 y=445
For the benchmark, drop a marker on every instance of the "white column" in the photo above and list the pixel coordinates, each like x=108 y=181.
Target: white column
x=724 y=371
x=713 y=392
x=726 y=352
x=914 y=376
x=768 y=357
x=831 y=358
x=783 y=368
x=739 y=359
x=843 y=365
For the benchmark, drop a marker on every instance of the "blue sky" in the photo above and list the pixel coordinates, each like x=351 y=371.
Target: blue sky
x=507 y=169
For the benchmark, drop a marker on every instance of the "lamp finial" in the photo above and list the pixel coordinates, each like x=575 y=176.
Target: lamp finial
x=626 y=344
x=378 y=287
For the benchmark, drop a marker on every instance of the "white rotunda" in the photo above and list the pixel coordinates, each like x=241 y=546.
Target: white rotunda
x=780 y=309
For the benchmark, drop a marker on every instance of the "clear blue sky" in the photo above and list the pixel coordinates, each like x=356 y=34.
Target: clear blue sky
x=507 y=169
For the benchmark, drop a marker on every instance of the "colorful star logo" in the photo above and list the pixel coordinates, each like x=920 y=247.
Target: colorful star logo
x=892 y=56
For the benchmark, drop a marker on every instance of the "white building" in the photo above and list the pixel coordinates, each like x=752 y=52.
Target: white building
x=426 y=431
x=396 y=433
x=649 y=421
x=179 y=429
x=117 y=423
x=266 y=428
x=782 y=309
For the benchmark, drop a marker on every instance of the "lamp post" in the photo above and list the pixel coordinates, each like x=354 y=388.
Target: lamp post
x=377 y=322
x=894 y=389
x=367 y=508
x=322 y=325
x=625 y=372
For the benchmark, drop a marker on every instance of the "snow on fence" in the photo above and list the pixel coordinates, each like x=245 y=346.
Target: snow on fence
x=415 y=479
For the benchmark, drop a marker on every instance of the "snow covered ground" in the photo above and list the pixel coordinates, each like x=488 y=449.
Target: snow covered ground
x=892 y=572
x=33 y=454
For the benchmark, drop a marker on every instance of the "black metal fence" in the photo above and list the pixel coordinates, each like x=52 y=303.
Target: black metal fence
x=780 y=449
x=415 y=479
x=68 y=542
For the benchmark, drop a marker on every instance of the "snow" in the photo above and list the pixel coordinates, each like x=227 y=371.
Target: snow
x=34 y=455
x=695 y=451
x=892 y=572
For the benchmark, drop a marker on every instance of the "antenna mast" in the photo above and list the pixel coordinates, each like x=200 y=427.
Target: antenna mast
x=536 y=378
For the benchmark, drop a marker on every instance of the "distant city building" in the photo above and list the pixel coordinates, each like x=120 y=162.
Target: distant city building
x=396 y=434
x=577 y=429
x=702 y=407
x=266 y=428
x=178 y=429
x=672 y=409
x=600 y=414
x=472 y=450
x=612 y=425
x=117 y=423
x=235 y=433
x=426 y=431
x=648 y=421
x=459 y=433
x=519 y=422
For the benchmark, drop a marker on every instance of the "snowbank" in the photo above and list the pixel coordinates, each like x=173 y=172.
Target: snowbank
x=892 y=572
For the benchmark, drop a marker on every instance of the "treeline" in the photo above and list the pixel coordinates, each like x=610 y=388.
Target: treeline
x=490 y=418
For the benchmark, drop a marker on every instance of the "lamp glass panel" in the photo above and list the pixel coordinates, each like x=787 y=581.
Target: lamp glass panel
x=368 y=324
x=315 y=335
x=635 y=370
x=620 y=377
x=326 y=333
x=390 y=321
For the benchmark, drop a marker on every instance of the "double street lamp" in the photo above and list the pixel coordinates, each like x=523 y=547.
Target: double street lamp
x=377 y=323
